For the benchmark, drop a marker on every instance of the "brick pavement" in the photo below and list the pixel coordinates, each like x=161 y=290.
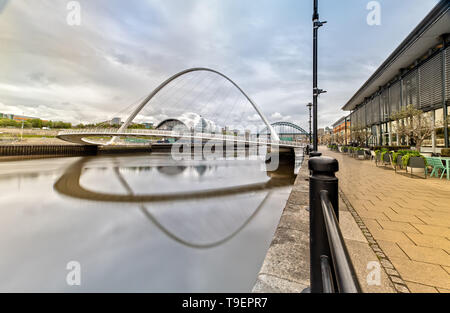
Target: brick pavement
x=408 y=217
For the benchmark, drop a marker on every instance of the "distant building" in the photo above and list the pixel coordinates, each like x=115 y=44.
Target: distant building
x=148 y=125
x=117 y=121
x=18 y=118
x=8 y=116
x=201 y=126
x=341 y=130
x=188 y=122
x=248 y=134
x=172 y=124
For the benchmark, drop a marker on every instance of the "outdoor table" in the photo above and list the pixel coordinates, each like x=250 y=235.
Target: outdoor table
x=447 y=165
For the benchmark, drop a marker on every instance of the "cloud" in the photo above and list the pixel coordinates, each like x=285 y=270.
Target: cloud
x=124 y=49
x=276 y=116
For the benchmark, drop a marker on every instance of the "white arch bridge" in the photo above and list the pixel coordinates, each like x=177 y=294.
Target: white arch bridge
x=80 y=136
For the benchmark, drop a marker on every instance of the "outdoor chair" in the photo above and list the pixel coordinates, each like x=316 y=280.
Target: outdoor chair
x=367 y=154
x=372 y=155
x=437 y=165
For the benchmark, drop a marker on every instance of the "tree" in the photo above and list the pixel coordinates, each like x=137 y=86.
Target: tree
x=326 y=139
x=36 y=123
x=415 y=124
x=359 y=134
x=339 y=138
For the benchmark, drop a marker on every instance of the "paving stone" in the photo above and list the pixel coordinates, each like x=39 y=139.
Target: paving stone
x=419 y=288
x=410 y=223
x=391 y=235
x=392 y=272
x=396 y=280
x=350 y=229
x=387 y=264
x=401 y=288
x=422 y=273
x=402 y=218
x=433 y=230
x=392 y=249
x=398 y=226
x=430 y=241
x=447 y=268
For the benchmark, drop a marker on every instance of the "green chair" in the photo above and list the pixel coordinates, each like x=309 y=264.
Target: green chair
x=437 y=165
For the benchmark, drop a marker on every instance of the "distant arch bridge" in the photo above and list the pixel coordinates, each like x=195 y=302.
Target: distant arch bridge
x=286 y=130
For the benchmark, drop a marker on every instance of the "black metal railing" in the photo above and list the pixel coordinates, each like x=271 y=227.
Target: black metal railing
x=331 y=269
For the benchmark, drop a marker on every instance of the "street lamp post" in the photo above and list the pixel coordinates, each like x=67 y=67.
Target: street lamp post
x=316 y=91
x=309 y=105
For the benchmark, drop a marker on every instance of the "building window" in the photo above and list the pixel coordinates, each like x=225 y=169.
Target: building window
x=439 y=122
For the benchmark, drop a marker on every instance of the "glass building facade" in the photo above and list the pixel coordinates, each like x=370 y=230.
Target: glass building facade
x=423 y=83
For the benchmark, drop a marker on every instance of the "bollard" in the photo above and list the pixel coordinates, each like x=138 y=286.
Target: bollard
x=313 y=154
x=322 y=177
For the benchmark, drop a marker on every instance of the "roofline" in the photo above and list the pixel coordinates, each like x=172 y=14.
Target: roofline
x=170 y=120
x=340 y=121
x=438 y=11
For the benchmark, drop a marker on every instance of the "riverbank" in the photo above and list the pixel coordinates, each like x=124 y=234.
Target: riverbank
x=18 y=152
x=286 y=266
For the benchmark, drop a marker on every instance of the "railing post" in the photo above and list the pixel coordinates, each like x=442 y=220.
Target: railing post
x=322 y=177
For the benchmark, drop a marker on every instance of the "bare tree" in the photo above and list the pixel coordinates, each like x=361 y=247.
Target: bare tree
x=339 y=138
x=415 y=124
x=326 y=139
x=359 y=134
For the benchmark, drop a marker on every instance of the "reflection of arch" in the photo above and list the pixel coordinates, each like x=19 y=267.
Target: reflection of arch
x=171 y=170
x=197 y=69
x=69 y=184
x=207 y=245
x=170 y=234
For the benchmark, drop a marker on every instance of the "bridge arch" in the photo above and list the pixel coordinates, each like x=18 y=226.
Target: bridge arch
x=300 y=130
x=130 y=119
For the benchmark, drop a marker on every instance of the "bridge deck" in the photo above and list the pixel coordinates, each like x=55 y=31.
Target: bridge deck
x=79 y=136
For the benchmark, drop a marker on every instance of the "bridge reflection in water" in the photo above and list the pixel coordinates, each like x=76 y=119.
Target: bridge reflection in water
x=205 y=226
x=138 y=223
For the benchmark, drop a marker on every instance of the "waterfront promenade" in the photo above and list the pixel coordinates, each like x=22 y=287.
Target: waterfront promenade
x=286 y=267
x=405 y=220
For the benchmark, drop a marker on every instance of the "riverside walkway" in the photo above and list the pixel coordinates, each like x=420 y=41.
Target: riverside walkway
x=286 y=267
x=405 y=220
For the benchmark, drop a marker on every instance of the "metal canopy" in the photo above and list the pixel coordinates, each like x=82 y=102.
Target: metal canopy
x=425 y=36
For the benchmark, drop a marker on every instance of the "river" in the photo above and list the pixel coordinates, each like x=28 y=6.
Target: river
x=137 y=223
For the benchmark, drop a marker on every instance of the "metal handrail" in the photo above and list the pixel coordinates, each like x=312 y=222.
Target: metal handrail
x=327 y=275
x=345 y=275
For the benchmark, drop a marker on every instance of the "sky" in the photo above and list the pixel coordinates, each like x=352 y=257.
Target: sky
x=122 y=50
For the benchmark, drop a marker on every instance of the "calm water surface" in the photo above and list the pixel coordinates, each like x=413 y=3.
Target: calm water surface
x=137 y=223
